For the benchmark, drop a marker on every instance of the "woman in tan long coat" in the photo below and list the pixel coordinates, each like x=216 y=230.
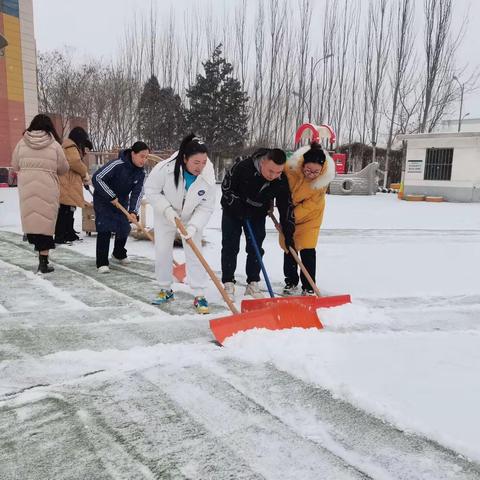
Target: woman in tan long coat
x=71 y=184
x=39 y=159
x=309 y=171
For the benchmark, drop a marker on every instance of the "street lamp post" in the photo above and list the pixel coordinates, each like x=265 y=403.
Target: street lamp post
x=297 y=94
x=460 y=118
x=313 y=66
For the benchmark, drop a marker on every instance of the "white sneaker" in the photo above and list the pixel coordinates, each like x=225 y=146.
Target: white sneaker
x=104 y=269
x=230 y=289
x=121 y=261
x=253 y=289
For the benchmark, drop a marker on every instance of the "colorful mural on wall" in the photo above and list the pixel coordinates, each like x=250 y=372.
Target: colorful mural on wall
x=18 y=90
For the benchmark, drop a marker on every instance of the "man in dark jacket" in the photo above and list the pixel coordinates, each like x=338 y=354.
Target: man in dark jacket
x=119 y=181
x=248 y=191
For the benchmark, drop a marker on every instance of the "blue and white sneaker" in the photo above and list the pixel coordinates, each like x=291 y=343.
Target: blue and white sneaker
x=201 y=305
x=163 y=296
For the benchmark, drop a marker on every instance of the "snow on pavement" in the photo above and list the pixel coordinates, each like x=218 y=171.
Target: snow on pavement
x=94 y=377
x=407 y=379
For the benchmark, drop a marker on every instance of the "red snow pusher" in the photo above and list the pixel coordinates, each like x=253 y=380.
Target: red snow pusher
x=276 y=316
x=264 y=313
x=273 y=317
x=311 y=303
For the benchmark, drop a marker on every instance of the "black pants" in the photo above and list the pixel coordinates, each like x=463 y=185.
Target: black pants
x=231 y=232
x=103 y=246
x=41 y=242
x=64 y=231
x=290 y=267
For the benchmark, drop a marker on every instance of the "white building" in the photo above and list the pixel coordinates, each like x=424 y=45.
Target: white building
x=443 y=164
x=467 y=125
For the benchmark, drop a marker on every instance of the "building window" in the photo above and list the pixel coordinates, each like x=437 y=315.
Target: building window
x=438 y=164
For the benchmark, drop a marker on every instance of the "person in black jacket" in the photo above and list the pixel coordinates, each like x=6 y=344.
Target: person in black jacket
x=119 y=181
x=248 y=191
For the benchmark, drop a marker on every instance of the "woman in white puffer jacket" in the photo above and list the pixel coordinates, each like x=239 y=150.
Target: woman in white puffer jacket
x=182 y=186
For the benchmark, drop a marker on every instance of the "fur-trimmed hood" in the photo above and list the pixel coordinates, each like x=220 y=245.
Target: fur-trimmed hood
x=295 y=162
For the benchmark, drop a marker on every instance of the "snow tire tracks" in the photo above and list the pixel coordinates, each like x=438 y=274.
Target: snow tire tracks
x=368 y=443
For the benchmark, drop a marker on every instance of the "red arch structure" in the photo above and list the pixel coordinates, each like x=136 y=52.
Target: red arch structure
x=317 y=131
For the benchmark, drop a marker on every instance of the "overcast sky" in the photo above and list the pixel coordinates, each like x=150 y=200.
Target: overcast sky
x=94 y=27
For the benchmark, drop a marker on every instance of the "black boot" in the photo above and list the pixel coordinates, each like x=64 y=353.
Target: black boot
x=43 y=266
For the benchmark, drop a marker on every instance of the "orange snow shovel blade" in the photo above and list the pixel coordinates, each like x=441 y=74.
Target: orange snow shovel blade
x=273 y=317
x=312 y=303
x=179 y=271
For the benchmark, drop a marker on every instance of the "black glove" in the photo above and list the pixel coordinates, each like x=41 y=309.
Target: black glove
x=289 y=242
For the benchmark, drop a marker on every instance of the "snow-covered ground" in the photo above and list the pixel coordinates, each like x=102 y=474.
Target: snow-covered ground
x=95 y=380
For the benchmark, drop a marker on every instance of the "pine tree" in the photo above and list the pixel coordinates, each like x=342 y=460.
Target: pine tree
x=172 y=119
x=148 y=112
x=162 y=119
x=218 y=106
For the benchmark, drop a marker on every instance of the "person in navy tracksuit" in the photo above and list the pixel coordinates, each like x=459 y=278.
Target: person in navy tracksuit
x=119 y=181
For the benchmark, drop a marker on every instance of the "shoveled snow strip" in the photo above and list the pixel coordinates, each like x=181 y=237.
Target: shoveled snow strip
x=43 y=283
x=426 y=383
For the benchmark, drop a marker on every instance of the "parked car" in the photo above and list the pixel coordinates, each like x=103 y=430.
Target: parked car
x=8 y=176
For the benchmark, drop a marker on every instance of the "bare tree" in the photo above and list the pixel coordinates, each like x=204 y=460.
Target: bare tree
x=440 y=53
x=305 y=20
x=367 y=72
x=277 y=34
x=354 y=61
x=152 y=40
x=364 y=91
x=380 y=37
x=192 y=47
x=190 y=41
x=402 y=56
x=241 y=42
x=287 y=73
x=50 y=66
x=169 y=55
x=258 y=84
x=330 y=80
x=342 y=49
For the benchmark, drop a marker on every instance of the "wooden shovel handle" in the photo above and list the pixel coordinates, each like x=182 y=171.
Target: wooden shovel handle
x=138 y=224
x=210 y=272
x=142 y=228
x=297 y=258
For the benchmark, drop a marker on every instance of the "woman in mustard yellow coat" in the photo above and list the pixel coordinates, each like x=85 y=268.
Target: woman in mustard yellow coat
x=309 y=171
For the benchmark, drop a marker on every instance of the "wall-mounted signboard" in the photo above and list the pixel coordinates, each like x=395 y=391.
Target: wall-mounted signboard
x=414 y=166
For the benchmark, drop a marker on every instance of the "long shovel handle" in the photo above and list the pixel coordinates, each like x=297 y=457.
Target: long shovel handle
x=297 y=258
x=138 y=224
x=143 y=229
x=305 y=272
x=259 y=256
x=206 y=266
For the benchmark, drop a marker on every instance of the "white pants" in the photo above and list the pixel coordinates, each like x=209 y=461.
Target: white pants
x=164 y=236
